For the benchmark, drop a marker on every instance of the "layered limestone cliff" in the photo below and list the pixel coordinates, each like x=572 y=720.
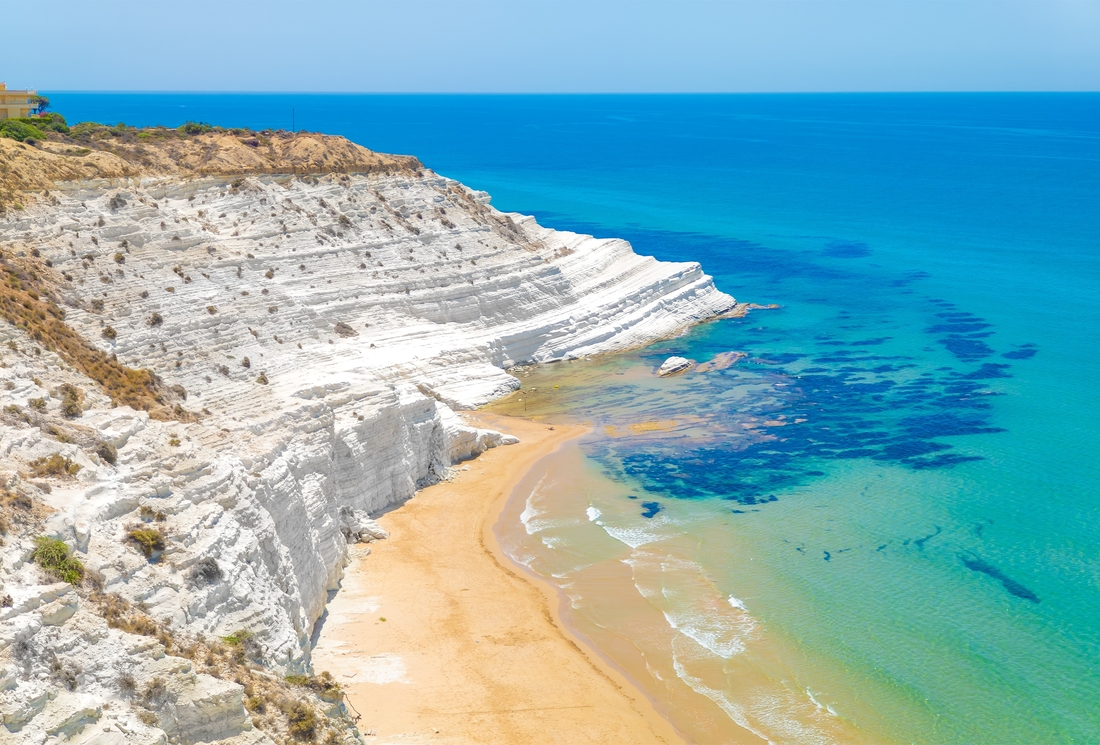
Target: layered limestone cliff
x=319 y=333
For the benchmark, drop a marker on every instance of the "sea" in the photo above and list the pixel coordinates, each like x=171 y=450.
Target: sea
x=868 y=515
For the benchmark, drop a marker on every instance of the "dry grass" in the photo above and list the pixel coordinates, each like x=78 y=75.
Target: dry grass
x=293 y=708
x=26 y=301
x=92 y=151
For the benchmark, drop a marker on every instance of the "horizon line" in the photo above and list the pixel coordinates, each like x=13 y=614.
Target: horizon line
x=570 y=93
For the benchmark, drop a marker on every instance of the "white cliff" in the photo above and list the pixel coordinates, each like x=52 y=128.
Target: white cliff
x=325 y=331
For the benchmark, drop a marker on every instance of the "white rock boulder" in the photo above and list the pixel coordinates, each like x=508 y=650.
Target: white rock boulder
x=674 y=366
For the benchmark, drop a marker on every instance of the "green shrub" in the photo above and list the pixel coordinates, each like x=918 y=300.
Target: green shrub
x=195 y=128
x=52 y=123
x=323 y=685
x=56 y=558
x=147 y=539
x=85 y=129
x=237 y=637
x=20 y=131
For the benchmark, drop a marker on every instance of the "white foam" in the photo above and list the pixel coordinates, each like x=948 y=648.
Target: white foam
x=593 y=514
x=717 y=635
x=735 y=603
x=530 y=512
x=680 y=589
x=633 y=537
x=820 y=706
x=734 y=711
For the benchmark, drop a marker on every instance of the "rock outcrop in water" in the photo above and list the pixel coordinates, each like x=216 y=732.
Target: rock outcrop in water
x=313 y=336
x=674 y=366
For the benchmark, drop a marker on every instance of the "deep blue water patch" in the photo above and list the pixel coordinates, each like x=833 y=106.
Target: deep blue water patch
x=1013 y=587
x=841 y=391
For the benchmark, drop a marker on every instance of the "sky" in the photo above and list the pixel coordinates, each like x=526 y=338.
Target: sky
x=536 y=46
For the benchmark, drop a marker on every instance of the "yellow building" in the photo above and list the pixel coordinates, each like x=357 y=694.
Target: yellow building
x=16 y=104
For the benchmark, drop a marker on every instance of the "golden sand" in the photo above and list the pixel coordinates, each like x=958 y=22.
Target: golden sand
x=470 y=650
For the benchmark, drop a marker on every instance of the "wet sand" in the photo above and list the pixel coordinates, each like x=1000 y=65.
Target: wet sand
x=471 y=650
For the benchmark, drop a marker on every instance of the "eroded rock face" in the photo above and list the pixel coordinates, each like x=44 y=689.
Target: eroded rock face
x=325 y=330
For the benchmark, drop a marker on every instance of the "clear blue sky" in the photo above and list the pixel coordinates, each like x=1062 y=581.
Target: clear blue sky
x=562 y=46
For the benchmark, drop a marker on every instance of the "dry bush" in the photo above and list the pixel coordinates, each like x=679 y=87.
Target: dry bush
x=205 y=572
x=72 y=400
x=54 y=466
x=148 y=540
x=106 y=451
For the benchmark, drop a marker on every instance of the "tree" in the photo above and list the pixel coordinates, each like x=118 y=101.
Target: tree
x=40 y=104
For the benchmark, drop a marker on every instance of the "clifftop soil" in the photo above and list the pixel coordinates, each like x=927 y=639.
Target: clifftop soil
x=95 y=152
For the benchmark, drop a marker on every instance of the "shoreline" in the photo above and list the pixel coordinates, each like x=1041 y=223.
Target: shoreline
x=471 y=649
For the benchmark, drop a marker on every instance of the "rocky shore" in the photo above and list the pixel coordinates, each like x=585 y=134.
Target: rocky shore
x=222 y=353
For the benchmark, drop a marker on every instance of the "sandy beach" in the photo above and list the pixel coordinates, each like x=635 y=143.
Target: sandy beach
x=438 y=638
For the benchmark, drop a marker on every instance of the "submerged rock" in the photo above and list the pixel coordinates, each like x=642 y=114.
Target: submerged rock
x=674 y=366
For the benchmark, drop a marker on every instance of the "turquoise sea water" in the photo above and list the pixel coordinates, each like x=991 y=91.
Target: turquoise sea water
x=886 y=514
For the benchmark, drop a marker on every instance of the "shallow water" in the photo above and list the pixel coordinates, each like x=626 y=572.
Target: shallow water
x=881 y=523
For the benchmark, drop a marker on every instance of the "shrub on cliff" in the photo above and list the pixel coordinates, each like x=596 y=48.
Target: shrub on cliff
x=55 y=466
x=147 y=540
x=20 y=131
x=324 y=685
x=85 y=130
x=205 y=572
x=56 y=558
x=301 y=721
x=106 y=451
x=51 y=122
x=71 y=400
x=195 y=128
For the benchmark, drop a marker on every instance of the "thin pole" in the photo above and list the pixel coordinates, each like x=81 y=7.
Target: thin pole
x=292 y=127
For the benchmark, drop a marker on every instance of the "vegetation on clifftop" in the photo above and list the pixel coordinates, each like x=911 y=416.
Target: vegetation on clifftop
x=40 y=152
